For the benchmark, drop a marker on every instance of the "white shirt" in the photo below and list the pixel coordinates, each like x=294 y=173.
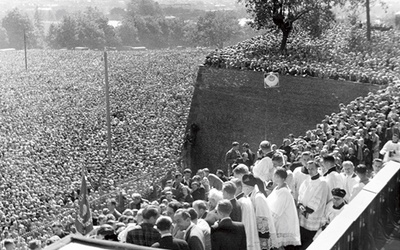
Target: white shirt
x=334 y=180
x=298 y=178
x=349 y=182
x=391 y=146
x=264 y=169
x=313 y=194
x=250 y=223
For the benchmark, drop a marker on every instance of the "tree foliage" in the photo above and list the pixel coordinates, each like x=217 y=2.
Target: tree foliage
x=3 y=38
x=215 y=28
x=144 y=8
x=87 y=29
x=283 y=14
x=16 y=23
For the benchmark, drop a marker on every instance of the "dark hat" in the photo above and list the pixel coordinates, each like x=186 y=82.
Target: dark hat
x=249 y=180
x=339 y=192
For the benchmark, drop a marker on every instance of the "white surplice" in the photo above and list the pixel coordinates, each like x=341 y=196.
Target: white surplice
x=284 y=213
x=265 y=222
x=250 y=223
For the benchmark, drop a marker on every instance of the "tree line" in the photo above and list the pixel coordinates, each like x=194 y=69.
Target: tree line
x=143 y=23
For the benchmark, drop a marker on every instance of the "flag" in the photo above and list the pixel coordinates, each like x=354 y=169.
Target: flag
x=83 y=221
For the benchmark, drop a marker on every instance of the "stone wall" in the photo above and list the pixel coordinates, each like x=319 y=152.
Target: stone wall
x=232 y=105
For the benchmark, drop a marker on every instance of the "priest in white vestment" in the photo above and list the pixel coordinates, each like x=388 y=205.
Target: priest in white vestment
x=349 y=178
x=265 y=223
x=248 y=217
x=312 y=201
x=284 y=212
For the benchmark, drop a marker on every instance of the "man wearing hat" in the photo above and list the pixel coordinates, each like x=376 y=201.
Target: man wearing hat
x=232 y=156
x=334 y=206
x=264 y=168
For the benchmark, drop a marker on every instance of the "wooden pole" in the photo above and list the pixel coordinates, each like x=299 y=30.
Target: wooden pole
x=107 y=105
x=26 y=56
x=367 y=4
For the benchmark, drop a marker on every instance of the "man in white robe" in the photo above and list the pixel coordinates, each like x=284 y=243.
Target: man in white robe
x=312 y=201
x=332 y=177
x=349 y=178
x=333 y=208
x=248 y=217
x=264 y=168
x=361 y=171
x=300 y=174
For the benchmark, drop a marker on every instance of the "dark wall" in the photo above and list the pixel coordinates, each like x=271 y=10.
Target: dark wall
x=232 y=105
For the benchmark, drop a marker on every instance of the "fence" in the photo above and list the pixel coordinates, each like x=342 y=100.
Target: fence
x=371 y=218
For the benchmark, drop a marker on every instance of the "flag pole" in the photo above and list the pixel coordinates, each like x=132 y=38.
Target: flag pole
x=107 y=104
x=26 y=56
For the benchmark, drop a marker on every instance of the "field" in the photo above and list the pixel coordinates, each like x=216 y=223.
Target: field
x=53 y=121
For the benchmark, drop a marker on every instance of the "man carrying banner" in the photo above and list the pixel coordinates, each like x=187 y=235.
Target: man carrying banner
x=83 y=221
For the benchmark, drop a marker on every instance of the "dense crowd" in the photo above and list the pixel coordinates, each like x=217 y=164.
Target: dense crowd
x=342 y=53
x=52 y=123
x=277 y=197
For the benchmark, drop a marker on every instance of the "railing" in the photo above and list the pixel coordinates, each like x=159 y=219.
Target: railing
x=371 y=218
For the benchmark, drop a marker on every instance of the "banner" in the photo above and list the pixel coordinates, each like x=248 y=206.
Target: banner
x=271 y=80
x=83 y=221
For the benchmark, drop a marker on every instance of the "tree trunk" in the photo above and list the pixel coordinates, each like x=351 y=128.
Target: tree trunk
x=368 y=20
x=285 y=35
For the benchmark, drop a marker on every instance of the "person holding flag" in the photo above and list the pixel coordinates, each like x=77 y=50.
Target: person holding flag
x=83 y=221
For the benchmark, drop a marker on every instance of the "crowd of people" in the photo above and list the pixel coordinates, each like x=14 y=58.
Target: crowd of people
x=269 y=199
x=276 y=197
x=342 y=53
x=53 y=122
x=52 y=125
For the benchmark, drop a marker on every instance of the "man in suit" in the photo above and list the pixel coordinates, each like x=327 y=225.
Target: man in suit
x=227 y=234
x=164 y=226
x=233 y=156
x=193 y=235
x=228 y=192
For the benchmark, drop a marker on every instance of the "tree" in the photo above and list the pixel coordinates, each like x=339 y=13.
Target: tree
x=283 y=14
x=38 y=29
x=367 y=5
x=117 y=13
x=87 y=29
x=16 y=23
x=316 y=22
x=215 y=28
x=144 y=8
x=60 y=14
x=128 y=32
x=66 y=33
x=3 y=38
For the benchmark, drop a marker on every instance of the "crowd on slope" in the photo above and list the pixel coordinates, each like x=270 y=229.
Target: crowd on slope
x=337 y=158
x=330 y=57
x=52 y=124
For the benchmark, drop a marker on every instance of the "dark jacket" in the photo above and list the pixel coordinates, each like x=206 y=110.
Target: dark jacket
x=228 y=235
x=168 y=242
x=236 y=214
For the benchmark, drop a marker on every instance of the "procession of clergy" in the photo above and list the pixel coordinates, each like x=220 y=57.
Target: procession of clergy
x=286 y=206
